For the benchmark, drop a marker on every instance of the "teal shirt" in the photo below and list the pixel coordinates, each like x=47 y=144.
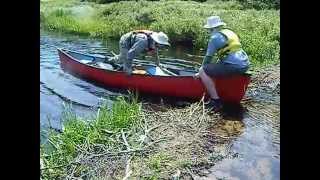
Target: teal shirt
x=218 y=41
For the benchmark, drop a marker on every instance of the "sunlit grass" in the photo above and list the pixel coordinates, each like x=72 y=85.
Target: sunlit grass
x=182 y=21
x=63 y=147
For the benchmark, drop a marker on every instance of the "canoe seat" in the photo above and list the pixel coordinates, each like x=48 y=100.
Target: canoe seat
x=85 y=61
x=105 y=66
x=137 y=71
x=156 y=71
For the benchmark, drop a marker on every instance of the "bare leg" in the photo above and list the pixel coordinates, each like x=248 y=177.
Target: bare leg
x=209 y=84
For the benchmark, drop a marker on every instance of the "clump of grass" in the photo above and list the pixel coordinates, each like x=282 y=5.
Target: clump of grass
x=184 y=143
x=79 y=134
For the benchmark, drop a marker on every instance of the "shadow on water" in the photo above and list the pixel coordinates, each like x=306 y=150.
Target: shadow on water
x=250 y=132
x=234 y=112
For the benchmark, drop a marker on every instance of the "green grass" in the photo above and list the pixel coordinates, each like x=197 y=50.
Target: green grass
x=63 y=147
x=181 y=20
x=246 y=4
x=161 y=143
x=158 y=161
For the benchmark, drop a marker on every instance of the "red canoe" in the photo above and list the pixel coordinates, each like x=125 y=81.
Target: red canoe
x=230 y=89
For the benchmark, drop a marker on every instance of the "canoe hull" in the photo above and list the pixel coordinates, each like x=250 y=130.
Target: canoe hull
x=230 y=89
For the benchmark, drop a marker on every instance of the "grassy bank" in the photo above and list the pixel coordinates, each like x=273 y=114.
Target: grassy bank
x=148 y=142
x=181 y=20
x=131 y=141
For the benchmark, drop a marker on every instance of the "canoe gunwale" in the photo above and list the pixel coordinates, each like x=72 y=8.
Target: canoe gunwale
x=114 y=71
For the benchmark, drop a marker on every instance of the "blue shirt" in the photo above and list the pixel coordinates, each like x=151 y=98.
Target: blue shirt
x=218 y=41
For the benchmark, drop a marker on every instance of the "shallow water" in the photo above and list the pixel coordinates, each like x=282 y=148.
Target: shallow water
x=59 y=89
x=253 y=149
x=252 y=153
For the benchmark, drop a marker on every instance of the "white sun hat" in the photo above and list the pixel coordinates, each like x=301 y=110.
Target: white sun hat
x=214 y=21
x=160 y=38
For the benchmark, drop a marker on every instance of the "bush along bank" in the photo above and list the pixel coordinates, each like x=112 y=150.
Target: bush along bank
x=181 y=20
x=257 y=4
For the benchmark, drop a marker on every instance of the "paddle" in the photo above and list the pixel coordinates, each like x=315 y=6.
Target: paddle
x=113 y=53
x=160 y=66
x=191 y=55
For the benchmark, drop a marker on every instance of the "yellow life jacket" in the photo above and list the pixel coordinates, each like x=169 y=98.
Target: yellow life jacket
x=233 y=43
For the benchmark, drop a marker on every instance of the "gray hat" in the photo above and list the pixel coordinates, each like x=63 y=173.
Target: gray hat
x=160 y=38
x=214 y=21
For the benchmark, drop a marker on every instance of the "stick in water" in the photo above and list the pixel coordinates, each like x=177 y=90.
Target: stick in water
x=113 y=53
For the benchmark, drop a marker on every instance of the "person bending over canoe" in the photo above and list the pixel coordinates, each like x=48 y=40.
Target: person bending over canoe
x=135 y=42
x=229 y=58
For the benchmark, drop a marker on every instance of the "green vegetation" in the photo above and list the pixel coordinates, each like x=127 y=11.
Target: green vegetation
x=127 y=140
x=257 y=4
x=259 y=30
x=65 y=147
x=261 y=4
x=142 y=142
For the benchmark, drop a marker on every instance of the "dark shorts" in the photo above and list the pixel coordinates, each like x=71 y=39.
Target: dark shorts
x=223 y=69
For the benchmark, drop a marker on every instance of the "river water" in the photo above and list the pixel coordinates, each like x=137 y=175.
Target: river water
x=256 y=139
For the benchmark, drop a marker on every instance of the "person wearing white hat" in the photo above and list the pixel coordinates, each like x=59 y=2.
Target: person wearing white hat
x=224 y=57
x=135 y=42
